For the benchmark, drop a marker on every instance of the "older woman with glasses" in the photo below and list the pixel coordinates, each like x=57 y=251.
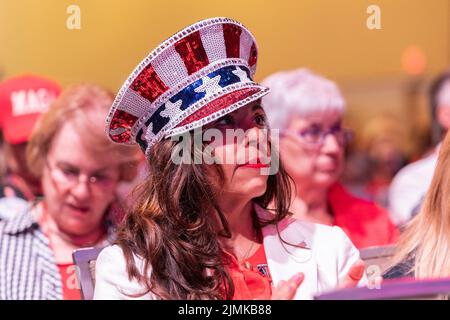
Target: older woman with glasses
x=308 y=110
x=80 y=170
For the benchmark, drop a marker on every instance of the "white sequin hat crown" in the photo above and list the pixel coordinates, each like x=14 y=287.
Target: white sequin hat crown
x=196 y=76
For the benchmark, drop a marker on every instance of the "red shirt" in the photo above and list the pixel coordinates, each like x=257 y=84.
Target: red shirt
x=70 y=285
x=364 y=222
x=251 y=277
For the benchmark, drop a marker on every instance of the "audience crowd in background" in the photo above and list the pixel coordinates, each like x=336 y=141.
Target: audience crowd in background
x=64 y=186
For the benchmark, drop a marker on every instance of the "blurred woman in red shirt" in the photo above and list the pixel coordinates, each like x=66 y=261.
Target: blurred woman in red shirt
x=308 y=109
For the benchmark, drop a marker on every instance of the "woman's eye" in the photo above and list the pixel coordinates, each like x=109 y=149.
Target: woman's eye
x=312 y=134
x=336 y=128
x=100 y=178
x=314 y=130
x=69 y=172
x=260 y=120
x=225 y=120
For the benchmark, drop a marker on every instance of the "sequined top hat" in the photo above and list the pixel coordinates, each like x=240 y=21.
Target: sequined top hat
x=196 y=76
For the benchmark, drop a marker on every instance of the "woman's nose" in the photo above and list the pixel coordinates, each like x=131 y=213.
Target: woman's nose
x=255 y=135
x=81 y=190
x=331 y=144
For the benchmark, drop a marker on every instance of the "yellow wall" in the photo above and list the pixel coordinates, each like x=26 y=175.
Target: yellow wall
x=329 y=36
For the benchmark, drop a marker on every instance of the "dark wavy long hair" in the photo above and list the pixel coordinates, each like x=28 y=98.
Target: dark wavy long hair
x=171 y=227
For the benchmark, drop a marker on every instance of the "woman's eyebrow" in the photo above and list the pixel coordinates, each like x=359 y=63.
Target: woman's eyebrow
x=257 y=107
x=65 y=164
x=72 y=166
x=102 y=170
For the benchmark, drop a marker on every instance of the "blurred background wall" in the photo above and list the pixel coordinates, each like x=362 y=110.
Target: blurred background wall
x=384 y=73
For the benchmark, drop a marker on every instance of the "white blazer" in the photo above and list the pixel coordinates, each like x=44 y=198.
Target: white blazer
x=325 y=258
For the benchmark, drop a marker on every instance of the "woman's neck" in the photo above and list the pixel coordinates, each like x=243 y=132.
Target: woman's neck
x=29 y=189
x=239 y=217
x=312 y=205
x=62 y=242
x=243 y=241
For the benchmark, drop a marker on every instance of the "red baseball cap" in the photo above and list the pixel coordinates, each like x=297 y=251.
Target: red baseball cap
x=22 y=100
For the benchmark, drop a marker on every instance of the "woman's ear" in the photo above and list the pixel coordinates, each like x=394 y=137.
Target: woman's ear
x=128 y=171
x=115 y=213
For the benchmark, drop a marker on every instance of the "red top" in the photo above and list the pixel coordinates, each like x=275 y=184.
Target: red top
x=364 y=222
x=71 y=290
x=251 y=277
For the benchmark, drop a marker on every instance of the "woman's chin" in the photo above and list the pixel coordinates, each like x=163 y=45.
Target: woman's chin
x=324 y=181
x=75 y=226
x=255 y=187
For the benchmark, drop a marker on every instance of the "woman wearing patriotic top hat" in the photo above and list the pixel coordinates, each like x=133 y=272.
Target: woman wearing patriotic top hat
x=201 y=229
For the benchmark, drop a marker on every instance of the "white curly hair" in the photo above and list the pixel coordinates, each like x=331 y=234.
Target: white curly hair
x=299 y=92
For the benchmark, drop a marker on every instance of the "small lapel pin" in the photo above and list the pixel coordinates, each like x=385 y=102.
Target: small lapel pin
x=303 y=245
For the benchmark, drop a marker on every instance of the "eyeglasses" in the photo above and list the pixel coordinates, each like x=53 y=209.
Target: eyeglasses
x=315 y=136
x=68 y=176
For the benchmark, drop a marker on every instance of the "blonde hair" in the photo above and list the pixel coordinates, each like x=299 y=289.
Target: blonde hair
x=426 y=239
x=86 y=106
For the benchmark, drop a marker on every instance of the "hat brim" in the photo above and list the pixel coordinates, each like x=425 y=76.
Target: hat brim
x=18 y=129
x=225 y=104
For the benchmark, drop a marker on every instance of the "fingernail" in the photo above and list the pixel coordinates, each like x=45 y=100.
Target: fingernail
x=298 y=277
x=357 y=274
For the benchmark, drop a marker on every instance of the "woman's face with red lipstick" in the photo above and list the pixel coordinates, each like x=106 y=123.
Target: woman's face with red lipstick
x=243 y=151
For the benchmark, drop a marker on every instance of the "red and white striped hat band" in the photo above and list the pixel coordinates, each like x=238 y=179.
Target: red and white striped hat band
x=191 y=79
